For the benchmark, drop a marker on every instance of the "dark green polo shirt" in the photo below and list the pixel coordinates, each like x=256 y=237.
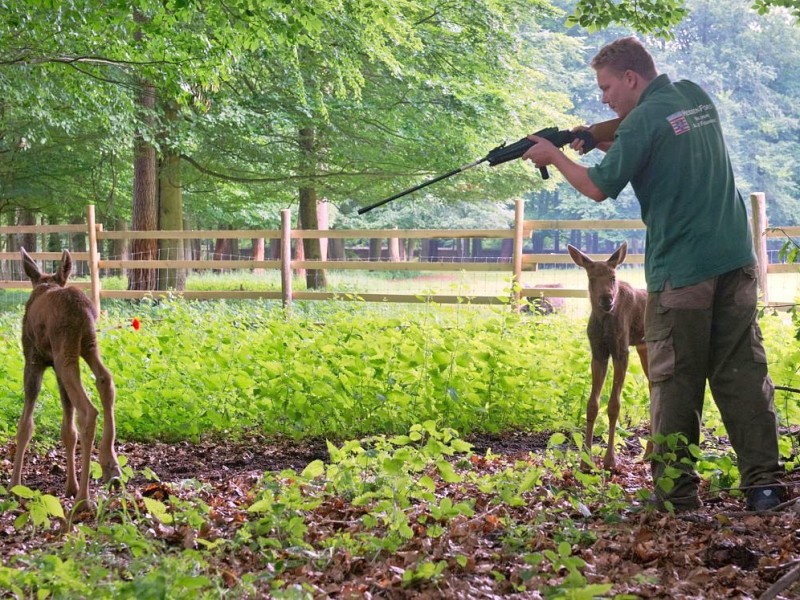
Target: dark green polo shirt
x=671 y=149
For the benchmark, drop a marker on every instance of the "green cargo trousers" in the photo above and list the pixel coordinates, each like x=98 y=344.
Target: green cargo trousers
x=709 y=332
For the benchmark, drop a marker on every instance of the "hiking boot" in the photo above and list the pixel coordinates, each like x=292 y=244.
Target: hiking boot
x=764 y=498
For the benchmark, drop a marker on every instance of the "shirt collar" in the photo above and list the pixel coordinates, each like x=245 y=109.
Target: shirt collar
x=655 y=85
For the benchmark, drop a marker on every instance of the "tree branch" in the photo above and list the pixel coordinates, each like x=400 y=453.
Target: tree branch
x=294 y=178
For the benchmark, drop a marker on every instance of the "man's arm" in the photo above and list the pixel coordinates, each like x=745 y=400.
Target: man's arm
x=544 y=154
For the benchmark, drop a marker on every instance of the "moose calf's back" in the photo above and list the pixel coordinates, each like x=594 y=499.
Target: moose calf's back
x=54 y=315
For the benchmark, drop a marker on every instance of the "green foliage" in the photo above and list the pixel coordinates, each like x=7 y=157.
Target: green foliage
x=646 y=16
x=764 y=6
x=656 y=17
x=342 y=370
x=39 y=508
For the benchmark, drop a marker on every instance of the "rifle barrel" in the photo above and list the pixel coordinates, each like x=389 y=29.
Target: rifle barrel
x=365 y=209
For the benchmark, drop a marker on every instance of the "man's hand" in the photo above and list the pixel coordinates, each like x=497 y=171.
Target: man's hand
x=577 y=144
x=543 y=153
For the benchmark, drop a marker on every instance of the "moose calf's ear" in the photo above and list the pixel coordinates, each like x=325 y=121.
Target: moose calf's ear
x=30 y=267
x=578 y=257
x=65 y=269
x=619 y=255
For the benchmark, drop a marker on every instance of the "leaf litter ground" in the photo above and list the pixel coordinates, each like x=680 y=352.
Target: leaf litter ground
x=715 y=552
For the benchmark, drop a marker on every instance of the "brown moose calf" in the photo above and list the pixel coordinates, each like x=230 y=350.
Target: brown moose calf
x=58 y=329
x=615 y=324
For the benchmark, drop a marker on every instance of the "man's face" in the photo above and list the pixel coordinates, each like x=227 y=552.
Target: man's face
x=619 y=90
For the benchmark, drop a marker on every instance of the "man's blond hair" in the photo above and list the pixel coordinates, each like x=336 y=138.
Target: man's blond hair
x=626 y=54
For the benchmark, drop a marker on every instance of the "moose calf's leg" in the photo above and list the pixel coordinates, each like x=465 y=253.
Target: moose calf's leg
x=620 y=369
x=599 y=370
x=105 y=388
x=69 y=374
x=33 y=384
x=69 y=437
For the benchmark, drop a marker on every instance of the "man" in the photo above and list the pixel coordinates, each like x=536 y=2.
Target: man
x=700 y=322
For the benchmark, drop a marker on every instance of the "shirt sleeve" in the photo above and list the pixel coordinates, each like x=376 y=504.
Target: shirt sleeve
x=626 y=157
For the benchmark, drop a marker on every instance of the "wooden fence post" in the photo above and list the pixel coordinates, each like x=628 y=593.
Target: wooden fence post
x=94 y=259
x=286 y=257
x=519 y=217
x=759 y=224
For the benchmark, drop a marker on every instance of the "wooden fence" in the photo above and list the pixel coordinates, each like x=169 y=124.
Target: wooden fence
x=519 y=261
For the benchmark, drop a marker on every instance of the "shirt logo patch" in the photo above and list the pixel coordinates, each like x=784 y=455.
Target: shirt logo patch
x=679 y=123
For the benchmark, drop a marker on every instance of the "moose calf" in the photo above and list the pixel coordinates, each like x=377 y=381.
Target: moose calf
x=57 y=329
x=615 y=324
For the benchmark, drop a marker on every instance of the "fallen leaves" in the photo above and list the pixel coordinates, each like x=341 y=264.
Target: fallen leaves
x=491 y=550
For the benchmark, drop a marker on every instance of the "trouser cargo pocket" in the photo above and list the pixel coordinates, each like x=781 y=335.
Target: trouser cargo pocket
x=660 y=353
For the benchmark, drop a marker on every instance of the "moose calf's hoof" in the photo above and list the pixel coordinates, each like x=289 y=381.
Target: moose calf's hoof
x=84 y=505
x=72 y=489
x=114 y=483
x=111 y=472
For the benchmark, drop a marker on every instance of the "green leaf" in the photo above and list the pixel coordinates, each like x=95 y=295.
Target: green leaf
x=427 y=482
x=564 y=549
x=53 y=506
x=666 y=484
x=446 y=471
x=263 y=505
x=22 y=491
x=461 y=446
x=394 y=466
x=313 y=470
x=158 y=509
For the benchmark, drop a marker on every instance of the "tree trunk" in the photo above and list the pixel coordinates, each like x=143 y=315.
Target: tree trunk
x=77 y=243
x=394 y=250
x=336 y=249
x=275 y=249
x=170 y=212
x=145 y=194
x=477 y=248
x=299 y=251
x=27 y=240
x=222 y=250
x=375 y=248
x=411 y=245
x=258 y=254
x=120 y=249
x=506 y=249
x=309 y=218
x=145 y=190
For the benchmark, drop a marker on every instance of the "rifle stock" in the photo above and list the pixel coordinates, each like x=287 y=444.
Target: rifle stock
x=605 y=130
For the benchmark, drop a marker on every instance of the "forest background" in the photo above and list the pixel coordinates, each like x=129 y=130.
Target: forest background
x=215 y=115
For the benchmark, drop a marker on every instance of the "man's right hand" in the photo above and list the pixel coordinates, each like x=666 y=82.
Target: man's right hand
x=577 y=144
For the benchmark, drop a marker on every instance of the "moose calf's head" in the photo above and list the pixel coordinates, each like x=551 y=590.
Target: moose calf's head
x=58 y=278
x=602 y=276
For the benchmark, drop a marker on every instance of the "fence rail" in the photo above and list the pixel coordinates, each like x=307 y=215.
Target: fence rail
x=514 y=265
